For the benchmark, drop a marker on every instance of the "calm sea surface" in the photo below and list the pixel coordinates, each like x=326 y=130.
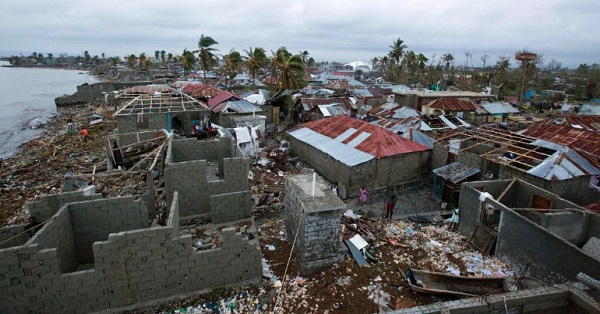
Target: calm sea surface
x=27 y=101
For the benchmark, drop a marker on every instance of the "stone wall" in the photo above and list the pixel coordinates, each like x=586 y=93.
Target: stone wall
x=313 y=222
x=130 y=266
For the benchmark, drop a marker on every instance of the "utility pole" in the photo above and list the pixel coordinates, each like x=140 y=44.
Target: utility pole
x=525 y=58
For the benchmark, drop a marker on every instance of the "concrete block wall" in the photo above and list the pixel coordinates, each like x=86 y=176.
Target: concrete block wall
x=15 y=233
x=312 y=221
x=520 y=240
x=566 y=225
x=230 y=207
x=130 y=266
x=48 y=205
x=439 y=155
x=191 y=149
x=401 y=169
x=93 y=220
x=189 y=176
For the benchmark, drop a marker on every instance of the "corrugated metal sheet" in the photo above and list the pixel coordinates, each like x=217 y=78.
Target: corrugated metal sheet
x=381 y=142
x=221 y=97
x=310 y=103
x=238 y=106
x=332 y=110
x=575 y=138
x=337 y=150
x=499 y=108
x=448 y=123
x=452 y=104
x=563 y=164
x=456 y=172
x=589 y=123
x=149 y=89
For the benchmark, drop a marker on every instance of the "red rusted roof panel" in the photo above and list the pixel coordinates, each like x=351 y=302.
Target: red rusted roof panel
x=452 y=104
x=380 y=143
x=575 y=138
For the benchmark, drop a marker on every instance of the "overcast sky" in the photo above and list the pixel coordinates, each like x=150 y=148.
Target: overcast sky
x=565 y=30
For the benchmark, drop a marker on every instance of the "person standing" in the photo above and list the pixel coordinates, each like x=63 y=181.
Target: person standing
x=32 y=227
x=454 y=220
x=390 y=203
x=85 y=134
x=362 y=199
x=70 y=125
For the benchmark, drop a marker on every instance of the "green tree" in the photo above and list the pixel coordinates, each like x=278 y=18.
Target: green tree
x=206 y=53
x=397 y=52
x=131 y=61
x=290 y=69
x=233 y=61
x=163 y=56
x=156 y=54
x=188 y=59
x=255 y=60
x=87 y=57
x=142 y=61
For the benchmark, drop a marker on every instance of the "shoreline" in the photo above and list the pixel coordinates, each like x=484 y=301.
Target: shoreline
x=38 y=166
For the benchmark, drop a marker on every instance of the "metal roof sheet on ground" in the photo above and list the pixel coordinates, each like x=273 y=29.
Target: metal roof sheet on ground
x=456 y=171
x=381 y=142
x=345 y=154
x=499 y=108
x=237 y=106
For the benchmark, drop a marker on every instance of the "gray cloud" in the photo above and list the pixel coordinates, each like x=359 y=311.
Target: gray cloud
x=343 y=31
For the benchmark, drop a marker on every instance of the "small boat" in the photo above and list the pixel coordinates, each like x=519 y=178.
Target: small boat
x=443 y=284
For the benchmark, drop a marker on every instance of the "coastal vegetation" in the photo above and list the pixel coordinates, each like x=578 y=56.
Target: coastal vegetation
x=400 y=65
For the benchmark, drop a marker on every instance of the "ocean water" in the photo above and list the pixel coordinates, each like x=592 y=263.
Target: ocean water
x=27 y=101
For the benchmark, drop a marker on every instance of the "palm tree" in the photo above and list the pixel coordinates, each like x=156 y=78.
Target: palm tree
x=162 y=56
x=142 y=60
x=448 y=58
x=304 y=55
x=397 y=51
x=375 y=63
x=255 y=60
x=233 y=62
x=188 y=59
x=156 y=54
x=290 y=69
x=276 y=57
x=206 y=53
x=131 y=60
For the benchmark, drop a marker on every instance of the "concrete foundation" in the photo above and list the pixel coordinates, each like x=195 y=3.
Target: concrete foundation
x=312 y=221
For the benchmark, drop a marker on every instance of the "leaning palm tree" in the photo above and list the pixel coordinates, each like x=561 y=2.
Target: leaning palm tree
x=255 y=60
x=276 y=59
x=233 y=62
x=206 y=53
x=291 y=70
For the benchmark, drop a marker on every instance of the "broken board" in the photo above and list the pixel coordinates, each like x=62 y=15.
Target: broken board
x=356 y=254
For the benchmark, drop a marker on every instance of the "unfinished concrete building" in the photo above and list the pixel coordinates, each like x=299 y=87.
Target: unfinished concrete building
x=499 y=154
x=93 y=253
x=156 y=112
x=522 y=224
x=312 y=221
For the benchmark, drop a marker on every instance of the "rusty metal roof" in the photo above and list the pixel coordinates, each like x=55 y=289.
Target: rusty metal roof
x=339 y=85
x=586 y=141
x=149 y=89
x=222 y=97
x=206 y=91
x=589 y=123
x=452 y=104
x=360 y=135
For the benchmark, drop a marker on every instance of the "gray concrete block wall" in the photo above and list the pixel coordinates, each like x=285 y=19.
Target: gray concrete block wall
x=230 y=207
x=58 y=234
x=93 y=220
x=566 y=225
x=15 y=233
x=130 y=266
x=521 y=241
x=189 y=176
x=48 y=205
x=313 y=222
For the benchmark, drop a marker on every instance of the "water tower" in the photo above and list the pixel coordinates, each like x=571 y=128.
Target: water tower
x=525 y=58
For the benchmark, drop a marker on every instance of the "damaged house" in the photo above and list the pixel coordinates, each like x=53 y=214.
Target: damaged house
x=93 y=253
x=137 y=118
x=500 y=154
x=354 y=153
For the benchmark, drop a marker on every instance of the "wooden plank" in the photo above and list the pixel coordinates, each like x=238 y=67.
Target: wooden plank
x=356 y=254
x=507 y=188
